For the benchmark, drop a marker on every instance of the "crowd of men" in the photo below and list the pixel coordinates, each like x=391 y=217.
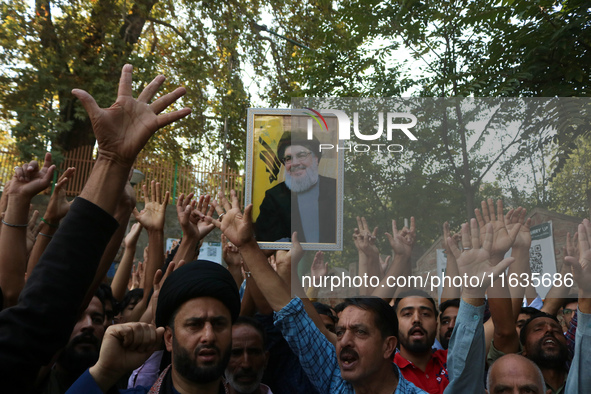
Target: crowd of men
x=179 y=324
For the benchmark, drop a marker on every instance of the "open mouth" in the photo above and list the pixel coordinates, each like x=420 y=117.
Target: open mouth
x=417 y=333
x=549 y=342
x=348 y=358
x=207 y=355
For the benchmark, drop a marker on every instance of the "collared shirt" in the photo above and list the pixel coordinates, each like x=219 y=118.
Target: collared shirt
x=435 y=378
x=465 y=356
x=147 y=373
x=317 y=355
x=579 y=378
x=570 y=336
x=437 y=345
x=559 y=390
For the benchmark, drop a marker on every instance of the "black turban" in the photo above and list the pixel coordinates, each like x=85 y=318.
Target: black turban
x=199 y=278
x=298 y=137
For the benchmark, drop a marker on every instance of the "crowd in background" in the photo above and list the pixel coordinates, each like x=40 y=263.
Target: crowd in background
x=178 y=323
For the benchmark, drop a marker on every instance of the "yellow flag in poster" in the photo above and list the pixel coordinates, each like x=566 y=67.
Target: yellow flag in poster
x=268 y=169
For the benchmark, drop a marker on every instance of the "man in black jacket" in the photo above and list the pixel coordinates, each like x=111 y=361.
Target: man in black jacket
x=32 y=331
x=305 y=202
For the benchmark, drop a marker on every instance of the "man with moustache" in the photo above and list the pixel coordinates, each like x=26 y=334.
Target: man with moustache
x=197 y=305
x=305 y=202
x=359 y=360
x=248 y=359
x=545 y=344
x=417 y=326
x=448 y=311
x=82 y=350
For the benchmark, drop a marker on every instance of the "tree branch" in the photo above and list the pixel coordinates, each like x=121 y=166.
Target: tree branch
x=173 y=28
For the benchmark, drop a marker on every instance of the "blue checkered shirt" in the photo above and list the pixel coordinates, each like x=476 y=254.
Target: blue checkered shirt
x=318 y=356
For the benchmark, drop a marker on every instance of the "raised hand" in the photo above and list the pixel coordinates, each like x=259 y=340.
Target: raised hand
x=134 y=234
x=154 y=213
x=456 y=237
x=198 y=215
x=285 y=258
x=136 y=276
x=385 y=263
x=365 y=241
x=517 y=217
x=30 y=180
x=235 y=225
x=123 y=129
x=319 y=268
x=149 y=315
x=402 y=241
x=474 y=261
x=184 y=207
x=230 y=253
x=582 y=267
x=124 y=348
x=572 y=246
x=502 y=239
x=59 y=205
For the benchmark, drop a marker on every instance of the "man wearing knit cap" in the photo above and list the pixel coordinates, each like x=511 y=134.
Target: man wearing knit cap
x=305 y=202
x=197 y=305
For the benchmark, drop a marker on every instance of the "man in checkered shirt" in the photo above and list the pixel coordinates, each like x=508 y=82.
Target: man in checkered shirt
x=361 y=360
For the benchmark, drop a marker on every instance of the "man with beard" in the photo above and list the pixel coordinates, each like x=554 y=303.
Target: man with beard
x=197 y=305
x=248 y=359
x=447 y=320
x=366 y=334
x=417 y=327
x=82 y=350
x=545 y=344
x=305 y=202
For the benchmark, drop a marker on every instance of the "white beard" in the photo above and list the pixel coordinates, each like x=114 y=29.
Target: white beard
x=244 y=388
x=302 y=183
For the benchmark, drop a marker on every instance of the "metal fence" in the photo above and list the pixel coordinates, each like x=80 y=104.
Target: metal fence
x=206 y=177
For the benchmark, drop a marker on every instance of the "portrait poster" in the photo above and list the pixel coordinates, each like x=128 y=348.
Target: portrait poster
x=276 y=211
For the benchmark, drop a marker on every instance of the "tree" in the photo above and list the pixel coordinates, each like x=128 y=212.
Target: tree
x=55 y=46
x=570 y=189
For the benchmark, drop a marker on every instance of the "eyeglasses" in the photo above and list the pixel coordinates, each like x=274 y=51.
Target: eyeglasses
x=301 y=156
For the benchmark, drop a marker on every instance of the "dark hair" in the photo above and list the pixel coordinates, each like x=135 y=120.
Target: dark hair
x=325 y=310
x=134 y=295
x=416 y=293
x=254 y=323
x=570 y=299
x=107 y=295
x=339 y=308
x=385 y=317
x=99 y=293
x=455 y=302
x=539 y=314
x=298 y=137
x=529 y=310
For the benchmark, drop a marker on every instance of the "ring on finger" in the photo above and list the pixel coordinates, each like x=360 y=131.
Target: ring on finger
x=221 y=216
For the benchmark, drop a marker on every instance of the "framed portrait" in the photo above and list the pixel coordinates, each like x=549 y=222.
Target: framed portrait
x=294 y=179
